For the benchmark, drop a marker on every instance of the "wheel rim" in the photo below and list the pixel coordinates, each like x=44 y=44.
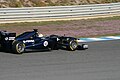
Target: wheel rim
x=74 y=45
x=20 y=48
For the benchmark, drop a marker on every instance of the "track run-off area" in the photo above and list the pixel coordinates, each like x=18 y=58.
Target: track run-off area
x=100 y=62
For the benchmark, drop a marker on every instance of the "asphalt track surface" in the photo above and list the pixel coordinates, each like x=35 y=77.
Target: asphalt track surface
x=100 y=62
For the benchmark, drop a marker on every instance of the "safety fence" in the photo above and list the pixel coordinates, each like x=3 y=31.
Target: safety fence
x=52 y=13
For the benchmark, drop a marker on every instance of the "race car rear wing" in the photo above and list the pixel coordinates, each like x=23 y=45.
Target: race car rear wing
x=4 y=35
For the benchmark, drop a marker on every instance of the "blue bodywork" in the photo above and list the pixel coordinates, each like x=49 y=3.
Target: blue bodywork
x=31 y=40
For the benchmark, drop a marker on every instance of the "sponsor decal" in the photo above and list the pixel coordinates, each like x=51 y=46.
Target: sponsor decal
x=27 y=41
x=9 y=38
x=45 y=43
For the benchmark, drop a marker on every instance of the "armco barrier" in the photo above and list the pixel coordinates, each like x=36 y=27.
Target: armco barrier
x=31 y=14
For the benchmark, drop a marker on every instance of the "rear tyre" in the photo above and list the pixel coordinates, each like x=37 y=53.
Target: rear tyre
x=72 y=45
x=54 y=36
x=18 y=47
x=53 y=45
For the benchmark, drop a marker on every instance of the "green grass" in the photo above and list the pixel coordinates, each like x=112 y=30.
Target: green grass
x=107 y=18
x=54 y=22
x=34 y=23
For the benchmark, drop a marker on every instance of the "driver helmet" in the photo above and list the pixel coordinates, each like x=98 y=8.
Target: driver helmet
x=40 y=35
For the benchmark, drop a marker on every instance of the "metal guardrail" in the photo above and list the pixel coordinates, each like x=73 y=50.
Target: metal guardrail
x=31 y=14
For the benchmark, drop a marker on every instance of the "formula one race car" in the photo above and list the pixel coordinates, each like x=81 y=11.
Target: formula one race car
x=32 y=40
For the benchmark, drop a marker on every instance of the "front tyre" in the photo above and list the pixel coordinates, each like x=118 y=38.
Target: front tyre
x=72 y=45
x=18 y=47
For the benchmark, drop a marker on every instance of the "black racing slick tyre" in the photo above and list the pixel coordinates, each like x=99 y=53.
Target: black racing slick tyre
x=54 y=36
x=18 y=47
x=72 y=45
